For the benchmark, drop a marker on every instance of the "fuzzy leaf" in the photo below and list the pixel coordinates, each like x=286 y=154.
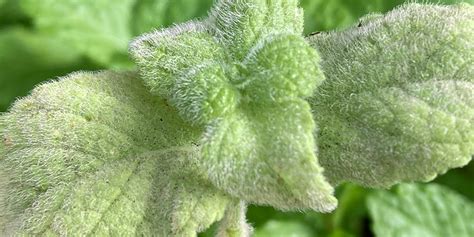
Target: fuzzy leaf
x=164 y=56
x=97 y=154
x=241 y=24
x=416 y=210
x=243 y=75
x=398 y=102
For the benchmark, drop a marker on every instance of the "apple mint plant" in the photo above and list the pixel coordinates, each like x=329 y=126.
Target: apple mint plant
x=240 y=108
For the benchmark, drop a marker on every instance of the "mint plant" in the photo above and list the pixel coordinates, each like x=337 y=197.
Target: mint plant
x=240 y=108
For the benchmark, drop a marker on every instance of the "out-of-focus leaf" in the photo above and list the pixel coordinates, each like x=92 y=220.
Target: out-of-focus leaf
x=349 y=217
x=27 y=59
x=98 y=28
x=460 y=180
x=11 y=14
x=102 y=29
x=284 y=229
x=421 y=210
x=322 y=15
x=152 y=14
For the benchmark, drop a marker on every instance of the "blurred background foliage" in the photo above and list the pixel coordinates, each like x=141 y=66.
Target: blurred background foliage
x=41 y=40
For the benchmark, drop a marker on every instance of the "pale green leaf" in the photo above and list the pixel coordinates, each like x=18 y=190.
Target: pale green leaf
x=421 y=210
x=95 y=153
x=244 y=78
x=397 y=104
x=241 y=24
x=165 y=56
x=98 y=28
x=266 y=156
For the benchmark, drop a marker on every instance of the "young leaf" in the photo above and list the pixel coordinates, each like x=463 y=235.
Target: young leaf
x=97 y=154
x=416 y=210
x=239 y=25
x=398 y=102
x=243 y=75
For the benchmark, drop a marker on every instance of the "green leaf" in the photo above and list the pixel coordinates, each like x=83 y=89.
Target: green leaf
x=351 y=213
x=284 y=228
x=97 y=28
x=102 y=29
x=322 y=15
x=45 y=58
x=11 y=14
x=241 y=24
x=151 y=14
x=244 y=78
x=421 y=210
x=95 y=153
x=459 y=180
x=398 y=102
x=162 y=60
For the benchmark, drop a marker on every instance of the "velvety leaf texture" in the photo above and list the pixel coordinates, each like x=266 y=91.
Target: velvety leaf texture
x=243 y=75
x=415 y=210
x=398 y=101
x=95 y=153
